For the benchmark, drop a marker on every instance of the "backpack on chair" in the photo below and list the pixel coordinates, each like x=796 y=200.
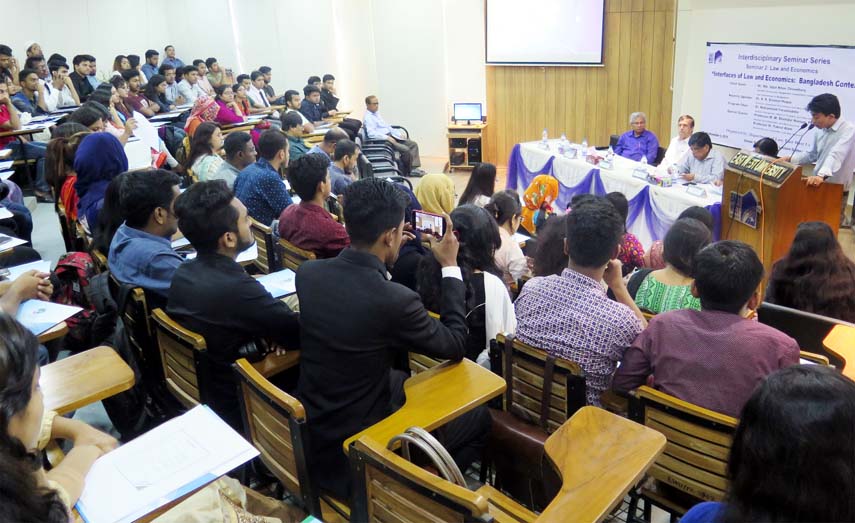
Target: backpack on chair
x=71 y=281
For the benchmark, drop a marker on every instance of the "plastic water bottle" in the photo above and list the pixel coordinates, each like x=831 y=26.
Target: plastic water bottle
x=584 y=147
x=644 y=161
x=562 y=144
x=544 y=139
x=611 y=153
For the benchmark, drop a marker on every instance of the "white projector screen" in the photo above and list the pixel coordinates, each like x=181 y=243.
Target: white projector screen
x=545 y=32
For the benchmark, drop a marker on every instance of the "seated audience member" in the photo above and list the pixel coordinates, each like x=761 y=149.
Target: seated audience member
x=328 y=98
x=216 y=75
x=39 y=65
x=59 y=91
x=327 y=146
x=230 y=112
x=766 y=146
x=794 y=439
x=377 y=129
x=638 y=142
x=34 y=49
x=292 y=105
x=141 y=253
x=149 y=68
x=569 y=316
x=242 y=99
x=31 y=98
x=136 y=66
x=481 y=185
x=435 y=192
x=294 y=133
x=172 y=94
x=714 y=357
x=343 y=167
x=106 y=97
x=110 y=216
x=202 y=81
x=171 y=59
x=189 y=88
x=121 y=104
x=155 y=94
x=815 y=275
x=704 y=164
x=136 y=100
x=240 y=153
x=311 y=105
x=100 y=157
x=670 y=288
x=259 y=185
x=489 y=310
x=205 y=109
x=79 y=77
x=550 y=258
x=537 y=202
x=653 y=258
x=205 y=144
x=308 y=225
x=412 y=250
x=244 y=80
x=214 y=296
x=93 y=79
x=346 y=381
x=679 y=146
x=268 y=77
x=506 y=210
x=256 y=92
x=22 y=149
x=120 y=64
x=8 y=67
x=631 y=251
x=59 y=164
x=314 y=81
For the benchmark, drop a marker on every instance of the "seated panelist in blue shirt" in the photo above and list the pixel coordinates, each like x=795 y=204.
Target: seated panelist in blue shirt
x=141 y=252
x=638 y=142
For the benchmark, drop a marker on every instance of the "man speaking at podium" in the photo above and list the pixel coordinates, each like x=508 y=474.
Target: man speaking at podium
x=832 y=150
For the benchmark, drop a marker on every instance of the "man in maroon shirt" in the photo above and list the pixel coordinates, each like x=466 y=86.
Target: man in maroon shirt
x=308 y=225
x=136 y=101
x=714 y=357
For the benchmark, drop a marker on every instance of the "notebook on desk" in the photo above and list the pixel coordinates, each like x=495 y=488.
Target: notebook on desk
x=39 y=316
x=162 y=465
x=279 y=283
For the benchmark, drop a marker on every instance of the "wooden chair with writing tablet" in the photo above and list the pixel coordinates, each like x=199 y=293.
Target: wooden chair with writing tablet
x=266 y=261
x=275 y=423
x=293 y=256
x=419 y=362
x=180 y=350
x=693 y=467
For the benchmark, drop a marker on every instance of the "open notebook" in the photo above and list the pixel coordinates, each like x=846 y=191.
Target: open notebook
x=160 y=466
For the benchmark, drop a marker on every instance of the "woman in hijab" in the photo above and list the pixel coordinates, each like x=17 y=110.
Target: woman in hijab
x=100 y=157
x=538 y=200
x=204 y=110
x=436 y=193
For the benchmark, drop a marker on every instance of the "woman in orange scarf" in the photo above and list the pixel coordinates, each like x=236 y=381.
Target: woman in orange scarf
x=537 y=201
x=204 y=110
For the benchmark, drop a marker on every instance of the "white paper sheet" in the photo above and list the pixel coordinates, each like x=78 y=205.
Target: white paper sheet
x=160 y=466
x=180 y=242
x=17 y=270
x=5 y=213
x=146 y=132
x=6 y=244
x=6 y=164
x=246 y=256
x=279 y=283
x=39 y=316
x=520 y=237
x=5 y=175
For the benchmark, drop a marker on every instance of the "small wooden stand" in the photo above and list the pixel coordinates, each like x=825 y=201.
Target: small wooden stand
x=462 y=139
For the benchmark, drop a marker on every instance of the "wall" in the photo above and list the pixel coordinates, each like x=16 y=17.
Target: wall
x=590 y=102
x=756 y=21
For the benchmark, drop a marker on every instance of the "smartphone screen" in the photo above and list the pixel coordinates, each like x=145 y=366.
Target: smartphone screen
x=429 y=223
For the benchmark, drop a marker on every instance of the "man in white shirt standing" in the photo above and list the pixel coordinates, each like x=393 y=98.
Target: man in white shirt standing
x=679 y=146
x=832 y=150
x=188 y=87
x=377 y=129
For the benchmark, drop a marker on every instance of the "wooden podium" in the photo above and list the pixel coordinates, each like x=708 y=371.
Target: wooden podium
x=765 y=215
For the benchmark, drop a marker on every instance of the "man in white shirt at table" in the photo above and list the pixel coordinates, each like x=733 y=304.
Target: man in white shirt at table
x=377 y=129
x=833 y=149
x=679 y=146
x=704 y=164
x=256 y=94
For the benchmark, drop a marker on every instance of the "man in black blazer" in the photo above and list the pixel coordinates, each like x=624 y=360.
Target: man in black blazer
x=213 y=295
x=353 y=324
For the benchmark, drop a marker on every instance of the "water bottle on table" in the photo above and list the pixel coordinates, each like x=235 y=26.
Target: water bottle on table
x=562 y=144
x=584 y=148
x=544 y=139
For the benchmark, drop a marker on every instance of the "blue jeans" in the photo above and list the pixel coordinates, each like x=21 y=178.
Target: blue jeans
x=33 y=151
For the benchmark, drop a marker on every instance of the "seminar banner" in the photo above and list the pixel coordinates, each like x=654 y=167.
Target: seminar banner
x=753 y=91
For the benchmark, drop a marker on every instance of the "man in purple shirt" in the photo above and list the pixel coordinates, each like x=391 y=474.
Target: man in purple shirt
x=569 y=315
x=714 y=357
x=638 y=143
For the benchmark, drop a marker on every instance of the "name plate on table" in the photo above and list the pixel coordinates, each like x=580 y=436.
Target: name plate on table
x=696 y=190
x=571 y=153
x=641 y=174
x=755 y=165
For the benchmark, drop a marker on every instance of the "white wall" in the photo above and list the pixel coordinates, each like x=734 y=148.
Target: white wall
x=755 y=21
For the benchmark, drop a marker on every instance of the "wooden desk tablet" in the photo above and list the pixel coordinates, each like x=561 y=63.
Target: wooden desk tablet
x=57 y=331
x=84 y=378
x=841 y=342
x=435 y=397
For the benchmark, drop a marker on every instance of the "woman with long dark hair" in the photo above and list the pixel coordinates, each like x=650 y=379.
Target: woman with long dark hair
x=549 y=255
x=481 y=185
x=488 y=305
x=155 y=93
x=793 y=453
x=505 y=208
x=815 y=275
x=203 y=159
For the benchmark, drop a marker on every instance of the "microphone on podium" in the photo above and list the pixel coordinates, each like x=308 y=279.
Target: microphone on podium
x=802 y=126
x=796 y=148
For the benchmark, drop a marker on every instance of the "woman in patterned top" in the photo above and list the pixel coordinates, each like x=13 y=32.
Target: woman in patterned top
x=631 y=251
x=671 y=288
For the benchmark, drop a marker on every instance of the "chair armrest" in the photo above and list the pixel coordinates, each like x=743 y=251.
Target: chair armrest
x=504 y=509
x=406 y=132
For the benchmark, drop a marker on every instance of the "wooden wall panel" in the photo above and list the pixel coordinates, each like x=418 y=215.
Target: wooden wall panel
x=590 y=102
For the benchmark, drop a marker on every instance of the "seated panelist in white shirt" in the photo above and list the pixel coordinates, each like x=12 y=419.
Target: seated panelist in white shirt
x=679 y=146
